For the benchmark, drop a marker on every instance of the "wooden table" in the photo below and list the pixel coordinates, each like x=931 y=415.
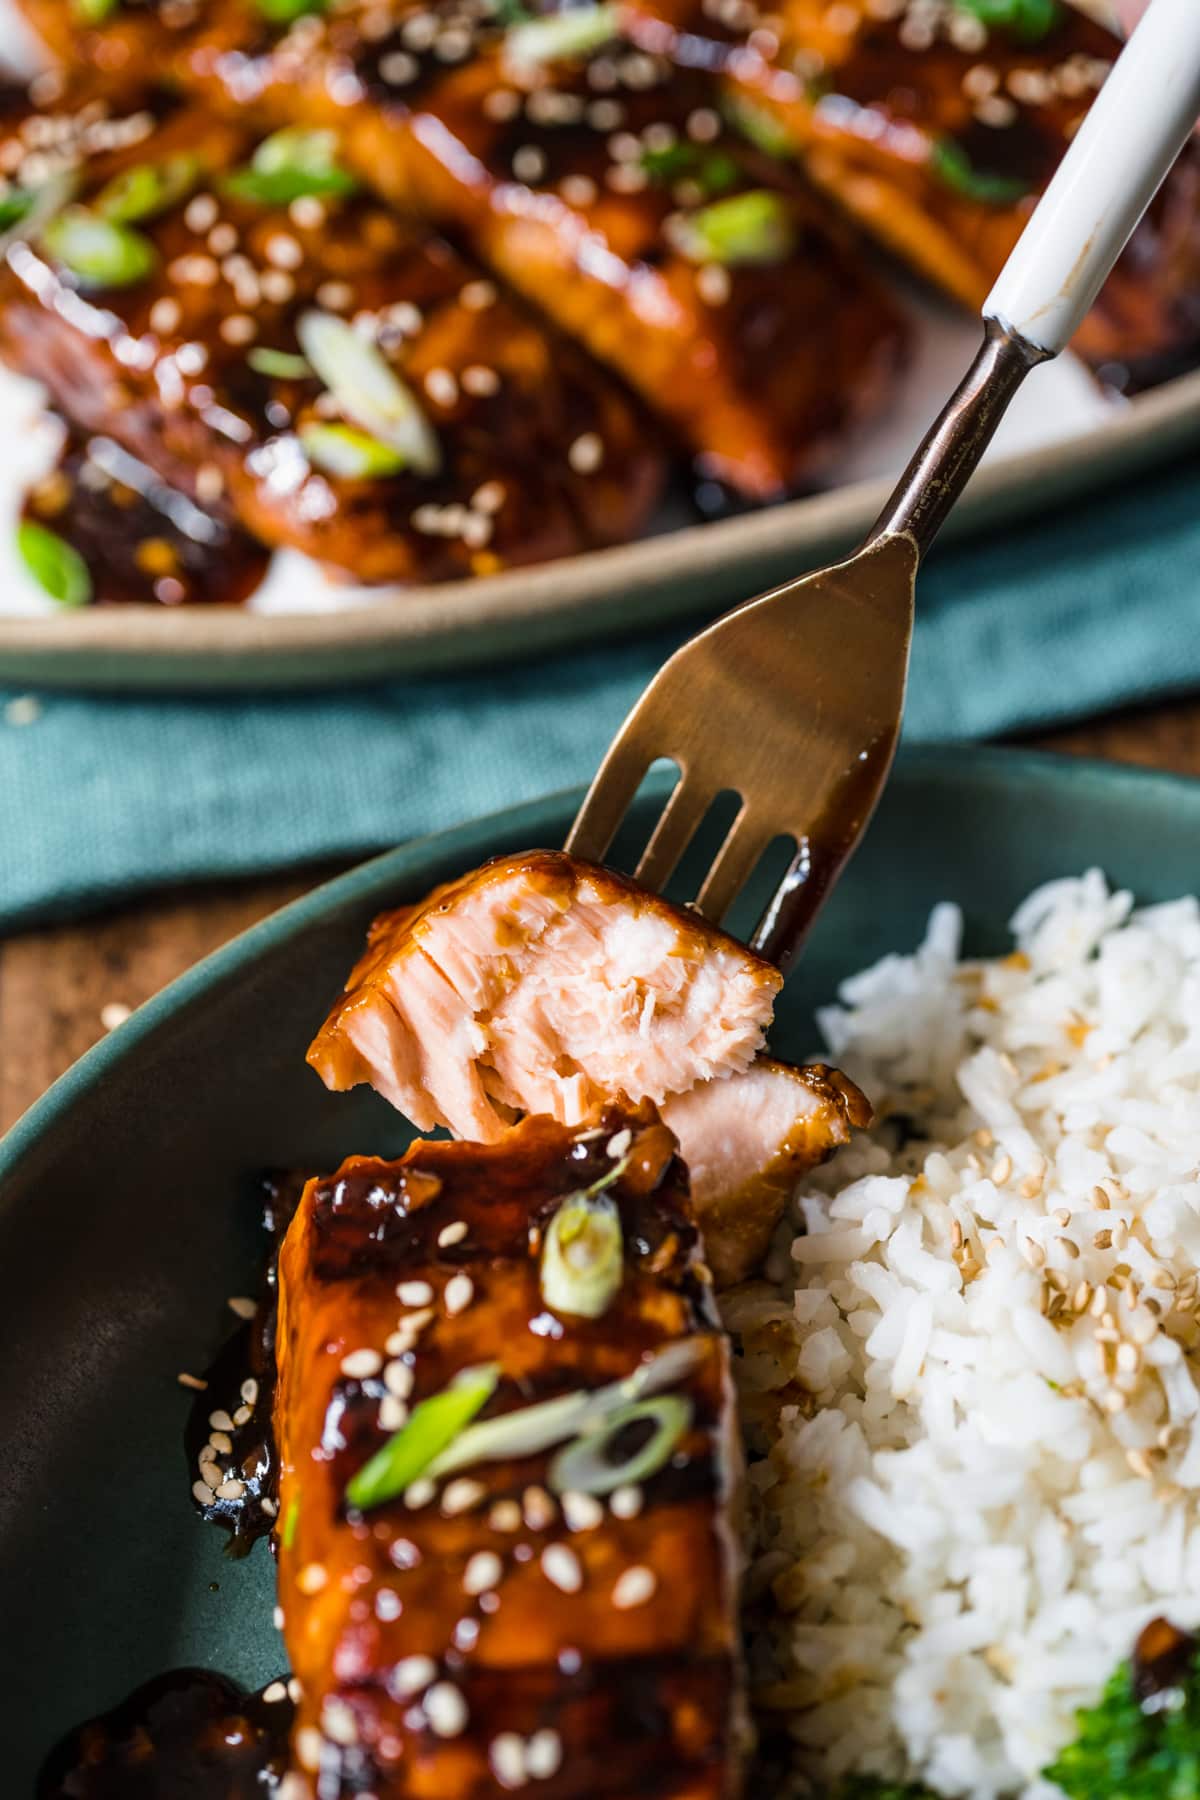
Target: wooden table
x=58 y=988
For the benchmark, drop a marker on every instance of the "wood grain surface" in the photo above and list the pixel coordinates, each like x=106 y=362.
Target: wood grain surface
x=61 y=989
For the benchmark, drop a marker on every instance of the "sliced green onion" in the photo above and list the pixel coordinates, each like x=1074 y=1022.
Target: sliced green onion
x=147 y=189
x=433 y=1424
x=291 y=165
x=286 y=12
x=350 y=454
x=951 y=164
x=368 y=390
x=531 y=1429
x=588 y=1467
x=754 y=227
x=15 y=206
x=25 y=212
x=715 y=171
x=101 y=253
x=55 y=565
x=290 y=1522
x=583 y=1257
x=94 y=12
x=758 y=125
x=281 y=365
x=559 y=36
x=1028 y=20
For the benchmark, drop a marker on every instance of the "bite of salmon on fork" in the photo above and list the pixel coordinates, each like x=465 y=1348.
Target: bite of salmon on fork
x=541 y=985
x=506 y=1554
x=237 y=314
x=936 y=127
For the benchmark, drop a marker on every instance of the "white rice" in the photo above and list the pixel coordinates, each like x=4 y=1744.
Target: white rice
x=982 y=1480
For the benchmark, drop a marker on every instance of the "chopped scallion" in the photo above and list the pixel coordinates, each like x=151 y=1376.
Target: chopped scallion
x=1028 y=20
x=950 y=162
x=351 y=455
x=290 y=1522
x=146 y=189
x=583 y=1256
x=94 y=12
x=368 y=390
x=754 y=227
x=286 y=12
x=55 y=565
x=758 y=125
x=99 y=252
x=280 y=365
x=432 y=1426
x=291 y=165
x=562 y=36
x=593 y=1463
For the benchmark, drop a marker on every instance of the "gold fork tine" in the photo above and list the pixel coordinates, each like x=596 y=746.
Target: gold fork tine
x=733 y=865
x=686 y=806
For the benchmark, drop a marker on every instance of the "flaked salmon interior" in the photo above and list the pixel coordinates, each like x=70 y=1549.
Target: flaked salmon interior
x=542 y=985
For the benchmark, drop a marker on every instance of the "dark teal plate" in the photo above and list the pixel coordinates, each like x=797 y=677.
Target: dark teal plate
x=126 y=1218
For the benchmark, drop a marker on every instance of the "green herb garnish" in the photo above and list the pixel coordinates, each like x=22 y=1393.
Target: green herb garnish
x=758 y=125
x=951 y=164
x=1136 y=1751
x=286 y=12
x=351 y=455
x=1028 y=20
x=593 y=1463
x=94 y=12
x=280 y=365
x=583 y=1256
x=14 y=206
x=99 y=252
x=431 y=1428
x=562 y=36
x=290 y=165
x=368 y=390
x=55 y=565
x=290 y=1522
x=714 y=171
x=146 y=189
x=754 y=227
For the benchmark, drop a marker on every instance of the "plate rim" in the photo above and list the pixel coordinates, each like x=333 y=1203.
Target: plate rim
x=595 y=595
x=923 y=762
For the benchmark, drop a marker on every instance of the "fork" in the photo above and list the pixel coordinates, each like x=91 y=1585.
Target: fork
x=794 y=700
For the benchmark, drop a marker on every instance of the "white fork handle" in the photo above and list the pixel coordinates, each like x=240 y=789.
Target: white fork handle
x=1133 y=131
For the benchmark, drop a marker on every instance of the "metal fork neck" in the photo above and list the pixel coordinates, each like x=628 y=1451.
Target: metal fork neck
x=951 y=449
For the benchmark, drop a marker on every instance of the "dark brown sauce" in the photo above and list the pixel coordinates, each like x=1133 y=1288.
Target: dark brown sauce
x=143 y=542
x=230 y=1411
x=188 y=1735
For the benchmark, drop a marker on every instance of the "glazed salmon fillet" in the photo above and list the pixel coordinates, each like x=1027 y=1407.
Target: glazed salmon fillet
x=605 y=188
x=936 y=131
x=551 y=1600
x=430 y=428
x=545 y=985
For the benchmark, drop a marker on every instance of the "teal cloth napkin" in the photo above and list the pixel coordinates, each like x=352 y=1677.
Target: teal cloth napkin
x=103 y=797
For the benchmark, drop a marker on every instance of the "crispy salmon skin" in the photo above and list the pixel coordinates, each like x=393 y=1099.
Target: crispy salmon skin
x=488 y=1624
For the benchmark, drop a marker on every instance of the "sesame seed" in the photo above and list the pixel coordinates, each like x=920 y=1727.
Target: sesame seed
x=539 y=1509
x=231 y=1490
x=626 y=178
x=308 y=1747
x=1033 y=1253
x=191 y=1381
x=506 y=1753
x=582 y=1512
x=388 y=1605
x=243 y=1415
x=210 y=483
x=460 y=1291
x=543 y=1754
x=359 y=1365
x=277 y=1618
x=241 y=1306
x=505 y=1515
x=619 y=1143
x=274 y=1692
x=461 y=1495
x=220 y=1421
x=249 y=1391
x=703 y=125
x=393 y=1413
x=625 y=1502
x=222 y=239
x=312 y=1578
x=484 y=1571
x=529 y=163
x=713 y=284
x=585 y=456
x=295 y=1685
x=414 y=1293
x=502 y=104
x=398 y=68
x=338 y=1722
x=335 y=296
x=477 y=296
x=996 y=110
x=269 y=1506
x=194 y=270
x=578 y=190
x=481 y=381
x=561 y=1566
x=201 y=213
x=165 y=315
x=238 y=328
x=445 y=1709
x=398 y=1379
x=634 y=1587
x=202 y=1492
x=441 y=386
x=411 y=1675
x=419 y=1493
x=455 y=1232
